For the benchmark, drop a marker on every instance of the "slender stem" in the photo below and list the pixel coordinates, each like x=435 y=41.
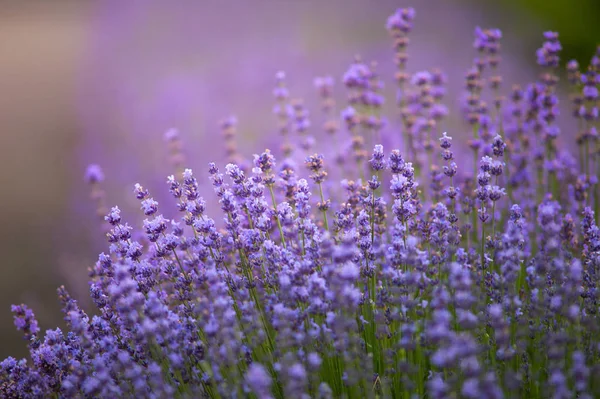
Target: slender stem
x=277 y=216
x=475 y=159
x=373 y=213
x=324 y=211
x=482 y=255
x=494 y=211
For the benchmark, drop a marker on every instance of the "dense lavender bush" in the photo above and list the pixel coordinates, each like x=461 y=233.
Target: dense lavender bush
x=357 y=273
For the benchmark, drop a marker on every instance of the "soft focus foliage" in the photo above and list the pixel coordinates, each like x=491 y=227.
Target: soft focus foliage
x=354 y=271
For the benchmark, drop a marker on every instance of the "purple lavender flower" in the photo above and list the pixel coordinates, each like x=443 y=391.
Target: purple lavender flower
x=25 y=321
x=259 y=380
x=486 y=40
x=401 y=20
x=547 y=55
x=94 y=174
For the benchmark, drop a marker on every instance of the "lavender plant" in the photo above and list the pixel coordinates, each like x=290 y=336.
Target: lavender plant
x=395 y=274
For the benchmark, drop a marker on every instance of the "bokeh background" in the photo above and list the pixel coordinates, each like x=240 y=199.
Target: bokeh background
x=84 y=82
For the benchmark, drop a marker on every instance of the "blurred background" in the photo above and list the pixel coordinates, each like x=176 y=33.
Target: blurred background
x=100 y=82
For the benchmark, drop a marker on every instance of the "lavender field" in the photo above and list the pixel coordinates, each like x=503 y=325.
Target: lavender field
x=420 y=245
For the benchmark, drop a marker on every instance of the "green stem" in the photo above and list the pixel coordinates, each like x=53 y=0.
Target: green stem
x=277 y=216
x=482 y=257
x=326 y=223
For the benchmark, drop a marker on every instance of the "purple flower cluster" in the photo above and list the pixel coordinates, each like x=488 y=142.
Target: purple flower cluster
x=370 y=273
